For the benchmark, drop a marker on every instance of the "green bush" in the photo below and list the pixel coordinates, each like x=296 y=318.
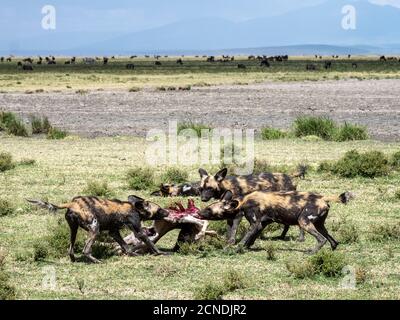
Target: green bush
x=349 y=132
x=271 y=252
x=140 y=178
x=197 y=127
x=233 y=280
x=322 y=127
x=300 y=270
x=348 y=233
x=56 y=134
x=370 y=164
x=272 y=134
x=27 y=162
x=174 y=175
x=98 y=189
x=40 y=251
x=395 y=160
x=209 y=292
x=40 y=124
x=12 y=124
x=6 y=208
x=261 y=166
x=328 y=263
x=326 y=129
x=397 y=194
x=385 y=232
x=6 y=161
x=7 y=290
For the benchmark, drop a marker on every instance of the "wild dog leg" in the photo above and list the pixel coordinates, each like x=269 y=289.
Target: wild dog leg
x=143 y=237
x=232 y=228
x=308 y=226
x=73 y=225
x=87 y=250
x=124 y=246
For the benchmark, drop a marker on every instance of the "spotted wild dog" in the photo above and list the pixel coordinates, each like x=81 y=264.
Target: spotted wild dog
x=305 y=209
x=215 y=186
x=192 y=227
x=95 y=215
x=182 y=190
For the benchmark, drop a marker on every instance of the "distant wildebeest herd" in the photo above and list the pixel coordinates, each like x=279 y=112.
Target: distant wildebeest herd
x=26 y=64
x=262 y=199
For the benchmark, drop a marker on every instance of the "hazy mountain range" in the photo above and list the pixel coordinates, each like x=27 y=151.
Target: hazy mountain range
x=308 y=30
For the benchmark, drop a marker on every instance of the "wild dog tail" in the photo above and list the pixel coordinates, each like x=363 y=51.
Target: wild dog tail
x=49 y=206
x=301 y=172
x=343 y=198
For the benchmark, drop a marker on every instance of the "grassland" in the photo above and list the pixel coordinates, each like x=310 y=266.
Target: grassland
x=193 y=72
x=63 y=168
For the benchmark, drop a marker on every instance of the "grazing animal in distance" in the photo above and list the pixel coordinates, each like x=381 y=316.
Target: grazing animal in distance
x=95 y=215
x=382 y=58
x=354 y=65
x=307 y=210
x=328 y=65
x=27 y=67
x=130 y=66
x=264 y=63
x=241 y=66
x=105 y=60
x=179 y=61
x=158 y=63
x=311 y=67
x=215 y=186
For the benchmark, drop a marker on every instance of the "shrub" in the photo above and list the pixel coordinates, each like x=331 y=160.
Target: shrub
x=56 y=134
x=40 y=125
x=185 y=88
x=322 y=127
x=349 y=132
x=395 y=160
x=40 y=251
x=197 y=127
x=12 y=124
x=98 y=189
x=134 y=89
x=174 y=175
x=385 y=232
x=300 y=270
x=271 y=252
x=397 y=194
x=233 y=280
x=348 y=234
x=209 y=292
x=370 y=164
x=7 y=290
x=6 y=208
x=328 y=263
x=272 y=134
x=27 y=162
x=17 y=128
x=162 y=88
x=6 y=161
x=140 y=178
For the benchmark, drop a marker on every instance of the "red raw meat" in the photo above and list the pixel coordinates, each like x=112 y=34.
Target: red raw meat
x=177 y=211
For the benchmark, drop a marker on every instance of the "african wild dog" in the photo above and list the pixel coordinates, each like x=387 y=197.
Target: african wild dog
x=182 y=190
x=95 y=215
x=215 y=186
x=307 y=210
x=191 y=227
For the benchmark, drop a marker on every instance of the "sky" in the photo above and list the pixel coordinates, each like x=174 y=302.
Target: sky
x=20 y=19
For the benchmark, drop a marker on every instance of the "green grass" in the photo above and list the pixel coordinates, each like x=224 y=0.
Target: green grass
x=272 y=134
x=63 y=168
x=195 y=71
x=174 y=175
x=196 y=127
x=6 y=161
x=56 y=134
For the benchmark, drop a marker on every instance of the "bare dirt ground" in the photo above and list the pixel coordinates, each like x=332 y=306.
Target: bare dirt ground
x=374 y=103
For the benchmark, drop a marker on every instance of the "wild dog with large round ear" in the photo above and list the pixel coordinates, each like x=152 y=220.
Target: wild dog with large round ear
x=215 y=186
x=95 y=215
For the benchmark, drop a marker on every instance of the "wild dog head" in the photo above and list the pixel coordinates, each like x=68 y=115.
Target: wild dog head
x=210 y=186
x=148 y=210
x=225 y=208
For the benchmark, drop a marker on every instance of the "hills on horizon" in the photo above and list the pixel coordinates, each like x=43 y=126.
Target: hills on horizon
x=310 y=30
